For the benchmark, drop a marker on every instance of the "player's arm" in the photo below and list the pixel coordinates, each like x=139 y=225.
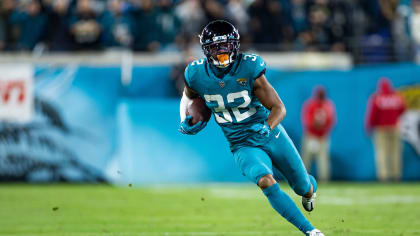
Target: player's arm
x=187 y=96
x=185 y=127
x=271 y=100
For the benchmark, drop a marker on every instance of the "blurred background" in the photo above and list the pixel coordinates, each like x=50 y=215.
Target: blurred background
x=89 y=89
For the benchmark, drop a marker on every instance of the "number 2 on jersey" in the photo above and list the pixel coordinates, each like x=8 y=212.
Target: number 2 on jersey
x=226 y=117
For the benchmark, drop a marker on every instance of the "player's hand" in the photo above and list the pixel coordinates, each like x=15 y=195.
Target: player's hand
x=186 y=128
x=261 y=128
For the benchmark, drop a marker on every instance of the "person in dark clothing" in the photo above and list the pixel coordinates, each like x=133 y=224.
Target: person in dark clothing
x=31 y=21
x=341 y=24
x=2 y=34
x=84 y=26
x=11 y=32
x=58 y=34
x=298 y=15
x=379 y=14
x=320 y=28
x=146 y=27
x=213 y=10
x=169 y=24
x=376 y=43
x=117 y=26
x=267 y=23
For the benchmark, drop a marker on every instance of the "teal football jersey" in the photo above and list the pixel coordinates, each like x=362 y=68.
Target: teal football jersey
x=230 y=96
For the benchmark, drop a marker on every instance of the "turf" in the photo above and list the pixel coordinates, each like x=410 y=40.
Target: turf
x=342 y=209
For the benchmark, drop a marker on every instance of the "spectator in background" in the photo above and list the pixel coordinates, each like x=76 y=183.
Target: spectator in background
x=236 y=11
x=384 y=109
x=267 y=24
x=380 y=14
x=84 y=26
x=169 y=24
x=117 y=26
x=319 y=29
x=6 y=9
x=58 y=33
x=318 y=117
x=2 y=34
x=415 y=26
x=376 y=44
x=190 y=12
x=298 y=16
x=146 y=37
x=330 y=24
x=401 y=31
x=341 y=24
x=213 y=10
x=31 y=21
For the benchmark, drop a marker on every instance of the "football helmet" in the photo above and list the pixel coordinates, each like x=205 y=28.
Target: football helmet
x=220 y=43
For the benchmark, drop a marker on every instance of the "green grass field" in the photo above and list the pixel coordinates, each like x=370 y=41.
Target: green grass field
x=342 y=209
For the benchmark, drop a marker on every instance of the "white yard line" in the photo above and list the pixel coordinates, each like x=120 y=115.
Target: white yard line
x=228 y=233
x=323 y=198
x=372 y=200
x=222 y=233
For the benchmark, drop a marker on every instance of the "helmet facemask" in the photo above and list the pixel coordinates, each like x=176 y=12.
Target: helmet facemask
x=222 y=53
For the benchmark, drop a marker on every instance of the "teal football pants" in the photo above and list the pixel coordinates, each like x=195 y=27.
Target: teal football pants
x=277 y=157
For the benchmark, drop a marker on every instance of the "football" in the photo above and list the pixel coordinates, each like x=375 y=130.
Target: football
x=198 y=110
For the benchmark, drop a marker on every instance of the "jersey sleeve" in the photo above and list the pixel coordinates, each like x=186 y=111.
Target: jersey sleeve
x=255 y=67
x=187 y=78
x=258 y=68
x=191 y=73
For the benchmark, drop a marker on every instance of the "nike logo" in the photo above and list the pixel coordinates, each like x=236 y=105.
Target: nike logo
x=262 y=63
x=277 y=136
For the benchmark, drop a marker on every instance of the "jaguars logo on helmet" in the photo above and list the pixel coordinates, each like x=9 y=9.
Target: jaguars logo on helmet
x=220 y=43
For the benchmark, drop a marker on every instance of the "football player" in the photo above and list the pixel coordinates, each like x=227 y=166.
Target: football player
x=249 y=111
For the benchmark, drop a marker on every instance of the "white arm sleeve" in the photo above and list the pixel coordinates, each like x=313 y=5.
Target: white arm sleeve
x=183 y=106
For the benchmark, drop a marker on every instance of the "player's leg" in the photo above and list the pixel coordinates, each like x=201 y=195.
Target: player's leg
x=256 y=165
x=324 y=160
x=395 y=155
x=287 y=160
x=307 y=155
x=380 y=154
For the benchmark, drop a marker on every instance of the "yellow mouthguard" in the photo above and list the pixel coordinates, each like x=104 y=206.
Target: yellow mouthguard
x=223 y=58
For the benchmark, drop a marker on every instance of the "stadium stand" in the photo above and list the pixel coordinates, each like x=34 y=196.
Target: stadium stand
x=384 y=31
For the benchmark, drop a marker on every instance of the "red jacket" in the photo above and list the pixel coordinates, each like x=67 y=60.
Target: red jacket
x=384 y=107
x=318 y=117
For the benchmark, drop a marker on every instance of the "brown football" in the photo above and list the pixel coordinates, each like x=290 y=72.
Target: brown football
x=198 y=110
